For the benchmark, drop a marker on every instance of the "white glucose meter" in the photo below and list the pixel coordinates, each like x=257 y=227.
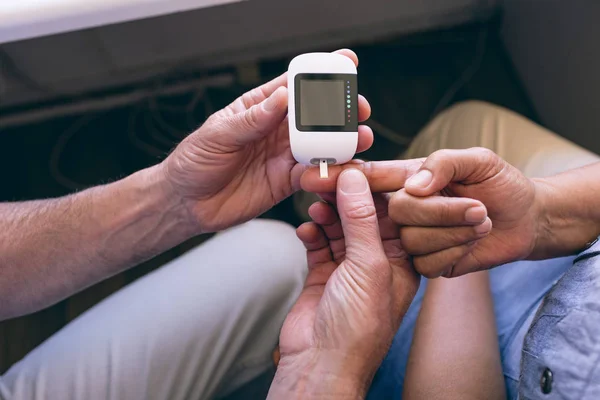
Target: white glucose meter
x=323 y=109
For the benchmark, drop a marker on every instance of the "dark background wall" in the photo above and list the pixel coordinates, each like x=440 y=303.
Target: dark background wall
x=555 y=48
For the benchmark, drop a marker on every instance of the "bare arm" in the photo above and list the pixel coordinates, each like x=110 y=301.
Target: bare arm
x=236 y=166
x=569 y=211
x=454 y=354
x=50 y=249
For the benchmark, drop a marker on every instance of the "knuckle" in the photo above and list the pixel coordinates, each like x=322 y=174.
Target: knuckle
x=215 y=124
x=409 y=240
x=251 y=117
x=256 y=95
x=396 y=206
x=251 y=97
x=361 y=210
x=484 y=155
x=444 y=212
x=488 y=162
x=462 y=235
x=439 y=155
x=413 y=167
x=458 y=237
x=245 y=99
x=210 y=120
x=424 y=268
x=483 y=151
x=364 y=167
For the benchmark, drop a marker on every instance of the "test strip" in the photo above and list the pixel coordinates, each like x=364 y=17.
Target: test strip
x=323 y=169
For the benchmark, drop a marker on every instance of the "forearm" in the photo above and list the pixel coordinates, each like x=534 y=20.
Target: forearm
x=51 y=249
x=321 y=376
x=569 y=212
x=454 y=354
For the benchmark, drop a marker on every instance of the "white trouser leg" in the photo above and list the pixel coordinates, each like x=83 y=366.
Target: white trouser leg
x=199 y=327
x=534 y=150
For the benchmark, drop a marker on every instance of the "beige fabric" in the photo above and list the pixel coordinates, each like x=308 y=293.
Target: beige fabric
x=199 y=327
x=534 y=150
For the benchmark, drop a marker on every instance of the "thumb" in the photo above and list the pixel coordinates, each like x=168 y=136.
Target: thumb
x=359 y=219
x=469 y=166
x=260 y=119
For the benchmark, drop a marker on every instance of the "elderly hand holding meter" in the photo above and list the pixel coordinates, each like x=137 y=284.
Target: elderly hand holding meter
x=242 y=153
x=323 y=109
x=237 y=165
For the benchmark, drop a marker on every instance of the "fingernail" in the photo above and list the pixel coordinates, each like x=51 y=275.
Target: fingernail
x=475 y=214
x=484 y=228
x=352 y=181
x=421 y=180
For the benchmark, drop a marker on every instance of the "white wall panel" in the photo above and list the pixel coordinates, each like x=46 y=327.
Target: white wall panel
x=116 y=54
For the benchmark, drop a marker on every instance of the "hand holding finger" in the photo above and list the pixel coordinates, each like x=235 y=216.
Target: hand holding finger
x=318 y=254
x=442 y=262
x=420 y=240
x=359 y=221
x=445 y=166
x=325 y=215
x=406 y=209
x=383 y=176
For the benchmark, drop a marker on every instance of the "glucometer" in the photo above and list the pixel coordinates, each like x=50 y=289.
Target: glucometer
x=323 y=109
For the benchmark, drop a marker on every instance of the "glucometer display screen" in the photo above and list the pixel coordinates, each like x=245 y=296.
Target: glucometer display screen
x=326 y=102
x=322 y=102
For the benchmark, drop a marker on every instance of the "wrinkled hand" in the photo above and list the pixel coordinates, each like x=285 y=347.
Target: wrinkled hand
x=239 y=163
x=460 y=211
x=359 y=286
x=452 y=234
